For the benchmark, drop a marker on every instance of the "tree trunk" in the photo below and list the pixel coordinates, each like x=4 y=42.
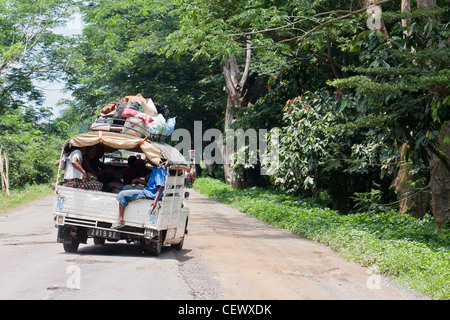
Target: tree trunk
x=411 y=200
x=406 y=7
x=367 y=4
x=1 y=172
x=234 y=89
x=233 y=102
x=440 y=180
x=408 y=202
x=439 y=161
x=4 y=171
x=426 y=4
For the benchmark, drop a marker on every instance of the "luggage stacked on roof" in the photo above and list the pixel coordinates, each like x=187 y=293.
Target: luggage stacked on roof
x=136 y=116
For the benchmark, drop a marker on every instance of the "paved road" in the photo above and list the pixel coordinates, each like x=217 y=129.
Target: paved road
x=226 y=255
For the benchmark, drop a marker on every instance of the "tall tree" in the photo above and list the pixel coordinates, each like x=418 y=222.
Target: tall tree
x=439 y=150
x=119 y=54
x=206 y=33
x=27 y=47
x=236 y=99
x=411 y=69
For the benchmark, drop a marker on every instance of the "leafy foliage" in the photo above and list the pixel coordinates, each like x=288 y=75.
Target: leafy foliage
x=32 y=148
x=28 y=49
x=325 y=145
x=407 y=78
x=118 y=55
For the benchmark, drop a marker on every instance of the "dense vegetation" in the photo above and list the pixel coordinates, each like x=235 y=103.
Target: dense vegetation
x=28 y=53
x=410 y=251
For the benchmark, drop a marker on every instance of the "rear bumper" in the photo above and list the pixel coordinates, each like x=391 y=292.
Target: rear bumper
x=125 y=232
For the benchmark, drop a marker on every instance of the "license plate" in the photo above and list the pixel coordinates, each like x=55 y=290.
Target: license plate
x=104 y=234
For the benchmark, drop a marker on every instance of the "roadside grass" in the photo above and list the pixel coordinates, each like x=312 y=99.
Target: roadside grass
x=410 y=251
x=23 y=195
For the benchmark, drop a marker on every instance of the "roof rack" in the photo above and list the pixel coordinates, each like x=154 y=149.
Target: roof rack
x=128 y=126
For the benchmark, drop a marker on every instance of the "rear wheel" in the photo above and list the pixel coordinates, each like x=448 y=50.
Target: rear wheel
x=71 y=237
x=178 y=246
x=99 y=241
x=71 y=246
x=156 y=249
x=153 y=246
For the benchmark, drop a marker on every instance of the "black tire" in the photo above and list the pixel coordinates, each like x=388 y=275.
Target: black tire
x=71 y=246
x=99 y=241
x=152 y=247
x=156 y=249
x=178 y=246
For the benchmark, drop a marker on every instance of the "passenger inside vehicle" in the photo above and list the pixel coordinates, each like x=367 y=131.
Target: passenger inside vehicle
x=75 y=176
x=107 y=171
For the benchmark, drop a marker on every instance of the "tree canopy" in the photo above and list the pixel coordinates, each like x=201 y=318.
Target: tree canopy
x=28 y=54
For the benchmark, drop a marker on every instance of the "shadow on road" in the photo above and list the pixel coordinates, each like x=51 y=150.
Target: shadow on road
x=128 y=250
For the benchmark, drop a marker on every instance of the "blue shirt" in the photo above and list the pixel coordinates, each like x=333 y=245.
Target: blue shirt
x=157 y=179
